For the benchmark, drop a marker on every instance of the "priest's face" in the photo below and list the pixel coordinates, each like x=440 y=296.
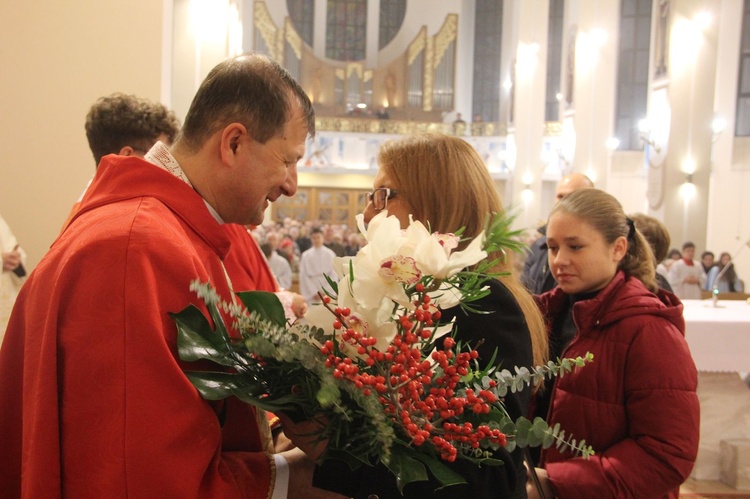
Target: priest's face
x=265 y=172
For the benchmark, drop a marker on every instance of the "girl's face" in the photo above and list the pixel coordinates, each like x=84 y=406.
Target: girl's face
x=725 y=259
x=396 y=204
x=580 y=259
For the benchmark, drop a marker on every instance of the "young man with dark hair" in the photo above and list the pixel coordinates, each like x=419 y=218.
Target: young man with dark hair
x=128 y=125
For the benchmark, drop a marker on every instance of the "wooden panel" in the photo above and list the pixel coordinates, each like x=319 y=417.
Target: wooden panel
x=327 y=205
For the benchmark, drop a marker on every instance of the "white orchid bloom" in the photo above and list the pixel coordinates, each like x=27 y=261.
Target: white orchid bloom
x=467 y=257
x=376 y=308
x=384 y=236
x=371 y=284
x=379 y=270
x=445 y=296
x=369 y=287
x=433 y=259
x=341 y=264
x=319 y=316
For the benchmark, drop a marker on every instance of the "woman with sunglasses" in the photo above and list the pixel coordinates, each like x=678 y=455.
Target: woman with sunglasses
x=441 y=181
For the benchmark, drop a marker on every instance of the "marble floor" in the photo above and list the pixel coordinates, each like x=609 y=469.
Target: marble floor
x=697 y=489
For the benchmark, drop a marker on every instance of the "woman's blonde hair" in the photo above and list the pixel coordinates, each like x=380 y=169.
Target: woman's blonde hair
x=605 y=214
x=444 y=182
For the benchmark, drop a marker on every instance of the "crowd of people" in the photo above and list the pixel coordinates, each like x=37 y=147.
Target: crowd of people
x=690 y=277
x=96 y=399
x=291 y=239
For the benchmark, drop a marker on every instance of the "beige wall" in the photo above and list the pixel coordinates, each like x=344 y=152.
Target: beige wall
x=56 y=59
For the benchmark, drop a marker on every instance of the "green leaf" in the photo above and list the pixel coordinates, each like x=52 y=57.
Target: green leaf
x=523 y=428
x=537 y=433
x=549 y=436
x=214 y=385
x=405 y=467
x=438 y=468
x=265 y=304
x=355 y=460
x=334 y=285
x=217 y=385
x=196 y=340
x=485 y=461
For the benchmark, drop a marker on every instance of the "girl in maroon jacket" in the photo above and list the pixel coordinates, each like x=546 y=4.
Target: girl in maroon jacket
x=636 y=403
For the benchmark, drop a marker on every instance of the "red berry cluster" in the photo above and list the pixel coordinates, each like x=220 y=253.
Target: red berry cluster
x=423 y=396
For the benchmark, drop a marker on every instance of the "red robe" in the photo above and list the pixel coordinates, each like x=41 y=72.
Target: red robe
x=246 y=257
x=94 y=399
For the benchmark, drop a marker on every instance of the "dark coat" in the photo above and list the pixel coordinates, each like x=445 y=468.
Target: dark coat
x=537 y=275
x=504 y=329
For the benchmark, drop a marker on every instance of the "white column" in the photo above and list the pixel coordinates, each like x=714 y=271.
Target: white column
x=319 y=29
x=692 y=78
x=531 y=19
x=595 y=86
x=462 y=96
x=373 y=34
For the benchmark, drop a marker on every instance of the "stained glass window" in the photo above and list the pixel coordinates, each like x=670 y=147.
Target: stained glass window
x=742 y=128
x=346 y=30
x=487 y=43
x=301 y=15
x=391 y=17
x=632 y=73
x=554 y=59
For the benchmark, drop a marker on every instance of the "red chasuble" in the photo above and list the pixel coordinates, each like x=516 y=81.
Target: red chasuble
x=94 y=399
x=245 y=257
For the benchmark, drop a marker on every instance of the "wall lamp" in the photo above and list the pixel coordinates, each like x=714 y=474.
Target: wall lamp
x=688 y=189
x=644 y=129
x=527 y=195
x=718 y=125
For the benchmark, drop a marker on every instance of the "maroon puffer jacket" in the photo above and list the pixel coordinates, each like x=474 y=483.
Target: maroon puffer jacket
x=635 y=404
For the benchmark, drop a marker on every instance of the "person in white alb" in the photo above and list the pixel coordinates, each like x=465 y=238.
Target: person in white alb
x=279 y=265
x=686 y=275
x=314 y=264
x=13 y=276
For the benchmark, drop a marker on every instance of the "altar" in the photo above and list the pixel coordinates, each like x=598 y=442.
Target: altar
x=719 y=341
x=719 y=337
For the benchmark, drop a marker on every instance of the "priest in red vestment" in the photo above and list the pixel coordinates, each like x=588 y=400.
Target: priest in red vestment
x=95 y=400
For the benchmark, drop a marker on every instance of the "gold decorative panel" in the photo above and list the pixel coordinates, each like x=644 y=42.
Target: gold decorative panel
x=293 y=38
x=266 y=27
x=417 y=45
x=444 y=37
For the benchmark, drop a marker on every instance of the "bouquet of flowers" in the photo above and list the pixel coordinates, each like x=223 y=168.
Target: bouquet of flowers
x=374 y=363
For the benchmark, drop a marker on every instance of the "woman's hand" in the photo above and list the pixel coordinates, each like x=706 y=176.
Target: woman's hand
x=305 y=435
x=281 y=442
x=299 y=305
x=531 y=490
x=301 y=471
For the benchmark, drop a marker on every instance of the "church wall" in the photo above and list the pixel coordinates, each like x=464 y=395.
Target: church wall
x=57 y=58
